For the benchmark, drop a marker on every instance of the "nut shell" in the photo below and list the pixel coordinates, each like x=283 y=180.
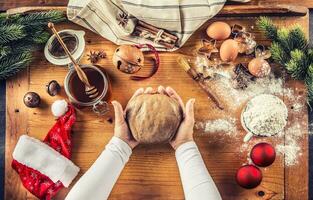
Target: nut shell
x=259 y=67
x=229 y=50
x=53 y=88
x=218 y=31
x=31 y=99
x=128 y=59
x=153 y=118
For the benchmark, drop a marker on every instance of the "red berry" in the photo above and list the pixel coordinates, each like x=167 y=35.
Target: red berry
x=263 y=154
x=249 y=176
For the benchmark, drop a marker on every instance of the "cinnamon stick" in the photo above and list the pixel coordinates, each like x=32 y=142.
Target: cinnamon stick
x=144 y=24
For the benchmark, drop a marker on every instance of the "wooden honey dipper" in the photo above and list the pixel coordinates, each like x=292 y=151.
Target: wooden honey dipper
x=90 y=90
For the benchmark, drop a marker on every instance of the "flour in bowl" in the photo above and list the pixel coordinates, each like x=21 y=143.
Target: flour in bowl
x=265 y=115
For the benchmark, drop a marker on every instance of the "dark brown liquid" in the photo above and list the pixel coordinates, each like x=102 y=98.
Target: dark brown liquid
x=57 y=50
x=77 y=87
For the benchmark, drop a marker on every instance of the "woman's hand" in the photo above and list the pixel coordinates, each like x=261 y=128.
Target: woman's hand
x=185 y=130
x=121 y=129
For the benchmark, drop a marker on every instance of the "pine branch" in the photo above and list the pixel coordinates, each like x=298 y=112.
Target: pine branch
x=11 y=32
x=297 y=38
x=9 y=66
x=41 y=37
x=20 y=34
x=3 y=17
x=278 y=53
x=41 y=18
x=309 y=85
x=266 y=25
x=310 y=55
x=296 y=66
x=4 y=51
x=283 y=39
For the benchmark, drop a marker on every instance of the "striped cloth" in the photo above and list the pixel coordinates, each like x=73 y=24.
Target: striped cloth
x=179 y=17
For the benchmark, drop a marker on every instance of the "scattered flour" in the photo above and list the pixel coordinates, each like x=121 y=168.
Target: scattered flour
x=225 y=126
x=220 y=125
x=224 y=91
x=291 y=148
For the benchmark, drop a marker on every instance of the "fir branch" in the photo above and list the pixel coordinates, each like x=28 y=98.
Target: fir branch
x=283 y=39
x=9 y=66
x=41 y=37
x=11 y=32
x=20 y=34
x=3 y=17
x=309 y=85
x=4 y=51
x=41 y=18
x=296 y=66
x=278 y=53
x=297 y=38
x=310 y=55
x=266 y=25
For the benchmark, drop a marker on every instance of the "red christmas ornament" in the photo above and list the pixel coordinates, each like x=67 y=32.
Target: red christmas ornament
x=249 y=176
x=263 y=154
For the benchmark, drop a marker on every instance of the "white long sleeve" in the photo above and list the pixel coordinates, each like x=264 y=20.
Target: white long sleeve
x=196 y=180
x=98 y=181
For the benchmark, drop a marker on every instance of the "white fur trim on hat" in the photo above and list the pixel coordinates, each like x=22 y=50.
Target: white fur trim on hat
x=41 y=157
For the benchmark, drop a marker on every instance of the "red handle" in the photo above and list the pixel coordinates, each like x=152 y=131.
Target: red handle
x=156 y=64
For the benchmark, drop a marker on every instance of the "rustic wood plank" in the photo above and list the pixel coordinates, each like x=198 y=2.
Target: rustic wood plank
x=152 y=172
x=296 y=176
x=16 y=125
x=2 y=135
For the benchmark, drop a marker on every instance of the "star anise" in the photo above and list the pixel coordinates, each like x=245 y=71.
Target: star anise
x=102 y=54
x=94 y=56
x=122 y=19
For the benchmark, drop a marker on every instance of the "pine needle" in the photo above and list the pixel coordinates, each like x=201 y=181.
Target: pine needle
x=296 y=66
x=20 y=35
x=266 y=25
x=297 y=38
x=11 y=32
x=9 y=66
x=41 y=18
x=278 y=53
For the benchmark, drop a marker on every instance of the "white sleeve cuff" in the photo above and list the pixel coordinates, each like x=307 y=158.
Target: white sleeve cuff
x=120 y=147
x=182 y=148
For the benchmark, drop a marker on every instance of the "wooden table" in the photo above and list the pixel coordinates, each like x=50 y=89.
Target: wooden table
x=151 y=172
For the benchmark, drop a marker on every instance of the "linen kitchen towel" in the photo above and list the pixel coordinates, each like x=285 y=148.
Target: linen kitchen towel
x=116 y=20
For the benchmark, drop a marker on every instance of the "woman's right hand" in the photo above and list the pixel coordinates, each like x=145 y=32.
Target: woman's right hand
x=185 y=130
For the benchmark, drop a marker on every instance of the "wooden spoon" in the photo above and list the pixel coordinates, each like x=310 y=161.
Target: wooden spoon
x=90 y=90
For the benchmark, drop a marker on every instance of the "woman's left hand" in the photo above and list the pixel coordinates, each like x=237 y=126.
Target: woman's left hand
x=121 y=129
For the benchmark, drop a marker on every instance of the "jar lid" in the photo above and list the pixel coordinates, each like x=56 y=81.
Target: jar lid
x=76 y=52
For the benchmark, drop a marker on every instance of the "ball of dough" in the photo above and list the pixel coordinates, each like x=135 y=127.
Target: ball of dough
x=153 y=118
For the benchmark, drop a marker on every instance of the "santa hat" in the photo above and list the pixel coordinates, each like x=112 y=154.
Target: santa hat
x=44 y=167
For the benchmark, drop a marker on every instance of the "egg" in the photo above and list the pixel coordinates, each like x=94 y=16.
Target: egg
x=218 y=30
x=259 y=67
x=229 y=50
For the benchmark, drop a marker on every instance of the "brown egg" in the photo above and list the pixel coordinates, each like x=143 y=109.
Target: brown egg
x=229 y=50
x=259 y=67
x=218 y=30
